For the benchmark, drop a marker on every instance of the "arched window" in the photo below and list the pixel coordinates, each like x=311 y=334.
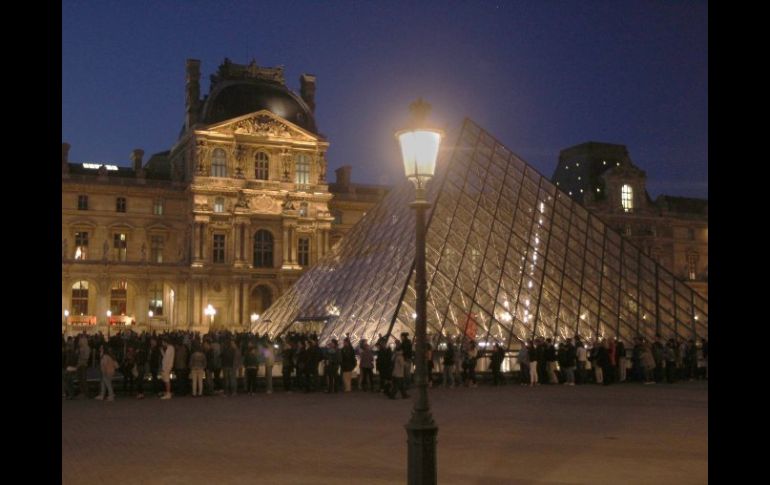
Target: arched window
x=119 y=298
x=219 y=204
x=263 y=249
x=627 y=197
x=155 y=294
x=303 y=169
x=260 y=300
x=219 y=163
x=262 y=166
x=79 y=301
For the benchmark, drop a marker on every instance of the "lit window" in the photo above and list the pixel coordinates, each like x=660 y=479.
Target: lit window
x=627 y=197
x=303 y=251
x=120 y=204
x=119 y=246
x=82 y=202
x=156 y=299
x=261 y=166
x=219 y=204
x=79 y=301
x=303 y=169
x=263 y=249
x=692 y=265
x=81 y=245
x=219 y=248
x=157 y=207
x=219 y=163
x=119 y=298
x=156 y=249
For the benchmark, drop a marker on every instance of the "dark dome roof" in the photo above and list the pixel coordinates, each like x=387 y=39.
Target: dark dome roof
x=231 y=99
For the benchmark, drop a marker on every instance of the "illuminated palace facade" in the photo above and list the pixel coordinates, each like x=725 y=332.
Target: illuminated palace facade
x=227 y=219
x=671 y=230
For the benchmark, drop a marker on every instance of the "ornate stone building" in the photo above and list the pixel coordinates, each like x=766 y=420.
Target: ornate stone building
x=672 y=230
x=227 y=219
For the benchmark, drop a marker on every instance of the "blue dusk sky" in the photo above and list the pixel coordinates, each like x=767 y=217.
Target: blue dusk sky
x=539 y=75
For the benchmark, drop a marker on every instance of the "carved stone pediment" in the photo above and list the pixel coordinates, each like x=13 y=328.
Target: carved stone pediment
x=265 y=204
x=264 y=124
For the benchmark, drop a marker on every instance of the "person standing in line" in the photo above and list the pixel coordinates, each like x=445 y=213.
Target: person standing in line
x=167 y=365
x=251 y=362
x=108 y=366
x=523 y=360
x=332 y=366
x=670 y=359
x=303 y=372
x=495 y=362
x=384 y=366
x=155 y=361
x=348 y=363
x=288 y=356
x=268 y=354
x=406 y=347
x=449 y=364
x=314 y=360
x=620 y=357
x=429 y=363
x=366 y=364
x=399 y=368
x=533 y=358
x=84 y=353
x=197 y=369
x=550 y=361
x=181 y=369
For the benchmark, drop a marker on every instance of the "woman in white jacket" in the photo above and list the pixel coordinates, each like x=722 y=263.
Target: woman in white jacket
x=167 y=353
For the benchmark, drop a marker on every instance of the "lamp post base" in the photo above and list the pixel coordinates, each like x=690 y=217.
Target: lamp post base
x=421 y=458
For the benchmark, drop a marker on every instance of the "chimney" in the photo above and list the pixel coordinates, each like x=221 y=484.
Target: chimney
x=307 y=90
x=343 y=175
x=192 y=92
x=65 y=155
x=136 y=157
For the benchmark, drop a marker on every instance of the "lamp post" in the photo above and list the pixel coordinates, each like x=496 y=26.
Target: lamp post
x=66 y=328
x=419 y=150
x=210 y=311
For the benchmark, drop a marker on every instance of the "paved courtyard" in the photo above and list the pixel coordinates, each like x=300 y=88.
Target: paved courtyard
x=629 y=434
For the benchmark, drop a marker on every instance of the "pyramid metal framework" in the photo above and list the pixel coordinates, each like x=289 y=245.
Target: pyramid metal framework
x=509 y=256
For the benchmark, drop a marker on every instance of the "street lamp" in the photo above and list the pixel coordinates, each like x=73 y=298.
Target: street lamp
x=254 y=318
x=210 y=311
x=419 y=150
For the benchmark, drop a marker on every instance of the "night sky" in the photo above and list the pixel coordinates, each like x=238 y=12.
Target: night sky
x=539 y=75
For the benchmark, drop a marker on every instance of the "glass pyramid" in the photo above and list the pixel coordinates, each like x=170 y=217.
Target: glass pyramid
x=508 y=257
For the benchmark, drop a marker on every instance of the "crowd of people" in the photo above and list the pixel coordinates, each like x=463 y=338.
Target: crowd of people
x=226 y=363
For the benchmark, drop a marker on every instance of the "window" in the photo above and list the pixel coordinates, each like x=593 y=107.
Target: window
x=303 y=169
x=119 y=246
x=337 y=214
x=692 y=265
x=627 y=197
x=262 y=166
x=219 y=163
x=219 y=204
x=303 y=251
x=82 y=202
x=263 y=249
x=119 y=298
x=155 y=294
x=156 y=249
x=219 y=248
x=157 y=207
x=81 y=245
x=79 y=301
x=120 y=204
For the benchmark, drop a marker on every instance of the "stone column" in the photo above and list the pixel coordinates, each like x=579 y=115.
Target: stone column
x=285 y=245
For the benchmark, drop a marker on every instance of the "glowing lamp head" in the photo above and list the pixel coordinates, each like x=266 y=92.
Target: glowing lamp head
x=150 y=314
x=109 y=313
x=67 y=313
x=210 y=311
x=254 y=317
x=419 y=145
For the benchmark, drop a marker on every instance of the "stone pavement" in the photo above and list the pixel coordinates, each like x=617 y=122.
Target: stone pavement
x=629 y=434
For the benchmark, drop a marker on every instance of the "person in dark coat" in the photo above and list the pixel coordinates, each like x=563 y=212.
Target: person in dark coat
x=347 y=363
x=155 y=357
x=314 y=358
x=449 y=364
x=495 y=362
x=603 y=361
x=287 y=364
x=620 y=358
x=384 y=365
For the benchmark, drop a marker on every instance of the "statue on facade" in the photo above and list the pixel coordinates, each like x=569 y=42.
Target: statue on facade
x=288 y=204
x=144 y=252
x=243 y=202
x=105 y=250
x=200 y=155
x=321 y=168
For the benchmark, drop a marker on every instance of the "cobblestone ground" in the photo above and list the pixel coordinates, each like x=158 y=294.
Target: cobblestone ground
x=630 y=434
